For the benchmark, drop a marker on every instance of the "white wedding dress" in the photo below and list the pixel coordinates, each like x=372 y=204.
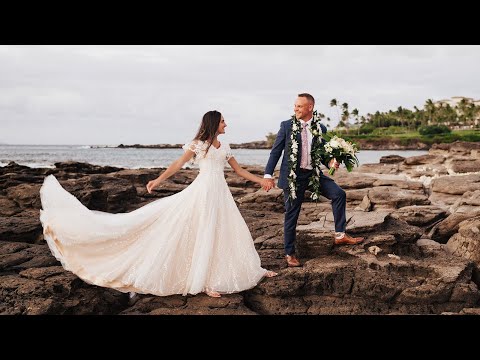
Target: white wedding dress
x=190 y=242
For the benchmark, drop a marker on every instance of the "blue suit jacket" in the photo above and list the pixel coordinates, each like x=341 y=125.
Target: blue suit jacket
x=282 y=143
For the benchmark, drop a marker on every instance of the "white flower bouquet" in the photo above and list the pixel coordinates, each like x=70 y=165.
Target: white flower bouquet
x=341 y=150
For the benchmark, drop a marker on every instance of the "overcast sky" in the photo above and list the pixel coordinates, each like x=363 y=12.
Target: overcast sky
x=95 y=94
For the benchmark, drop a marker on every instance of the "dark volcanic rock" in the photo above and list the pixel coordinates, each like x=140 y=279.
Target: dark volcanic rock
x=85 y=168
x=391 y=159
x=20 y=228
x=400 y=268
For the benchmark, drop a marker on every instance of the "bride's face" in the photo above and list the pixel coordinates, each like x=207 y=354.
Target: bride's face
x=222 y=126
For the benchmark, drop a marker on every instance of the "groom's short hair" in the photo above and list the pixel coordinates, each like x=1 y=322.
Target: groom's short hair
x=308 y=96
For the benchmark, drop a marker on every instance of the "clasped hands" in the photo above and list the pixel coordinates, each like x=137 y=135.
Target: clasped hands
x=268 y=184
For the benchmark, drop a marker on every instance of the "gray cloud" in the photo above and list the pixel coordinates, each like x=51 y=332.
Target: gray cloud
x=158 y=94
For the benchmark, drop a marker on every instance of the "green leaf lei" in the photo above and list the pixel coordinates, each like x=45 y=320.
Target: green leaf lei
x=315 y=152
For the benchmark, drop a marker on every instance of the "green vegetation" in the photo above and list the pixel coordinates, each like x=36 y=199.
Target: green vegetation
x=434 y=119
x=434 y=130
x=435 y=123
x=271 y=139
x=411 y=137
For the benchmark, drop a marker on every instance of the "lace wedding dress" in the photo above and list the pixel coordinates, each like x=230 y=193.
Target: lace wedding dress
x=190 y=242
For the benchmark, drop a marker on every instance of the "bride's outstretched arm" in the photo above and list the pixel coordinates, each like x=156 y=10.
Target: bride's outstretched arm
x=172 y=169
x=244 y=173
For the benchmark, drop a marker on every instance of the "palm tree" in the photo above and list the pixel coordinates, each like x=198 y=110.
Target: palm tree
x=334 y=103
x=463 y=107
x=322 y=116
x=471 y=111
x=441 y=115
x=400 y=113
x=345 y=118
x=328 y=123
x=378 y=118
x=476 y=115
x=357 y=121
x=430 y=109
x=417 y=116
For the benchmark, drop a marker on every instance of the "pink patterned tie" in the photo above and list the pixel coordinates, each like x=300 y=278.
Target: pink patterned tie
x=304 y=160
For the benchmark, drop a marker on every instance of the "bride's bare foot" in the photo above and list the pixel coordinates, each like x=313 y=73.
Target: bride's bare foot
x=213 y=294
x=270 y=274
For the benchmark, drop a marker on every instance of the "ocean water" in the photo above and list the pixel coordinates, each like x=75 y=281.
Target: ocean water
x=47 y=155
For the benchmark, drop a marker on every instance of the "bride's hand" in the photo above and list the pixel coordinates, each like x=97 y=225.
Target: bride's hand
x=151 y=185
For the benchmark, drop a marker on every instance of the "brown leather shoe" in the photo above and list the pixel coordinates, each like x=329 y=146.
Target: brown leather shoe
x=292 y=261
x=348 y=240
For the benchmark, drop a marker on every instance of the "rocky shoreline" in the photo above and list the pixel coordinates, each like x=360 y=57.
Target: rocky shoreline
x=420 y=216
x=391 y=144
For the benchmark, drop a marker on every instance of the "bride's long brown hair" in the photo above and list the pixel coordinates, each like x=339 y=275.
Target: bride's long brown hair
x=208 y=127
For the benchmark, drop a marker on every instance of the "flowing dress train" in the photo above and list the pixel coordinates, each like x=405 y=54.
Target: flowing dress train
x=193 y=241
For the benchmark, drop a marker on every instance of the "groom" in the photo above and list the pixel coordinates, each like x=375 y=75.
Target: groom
x=305 y=139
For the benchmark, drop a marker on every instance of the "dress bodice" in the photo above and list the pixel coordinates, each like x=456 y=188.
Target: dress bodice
x=212 y=161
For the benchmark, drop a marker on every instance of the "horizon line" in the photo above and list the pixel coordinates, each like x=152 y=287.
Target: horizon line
x=143 y=144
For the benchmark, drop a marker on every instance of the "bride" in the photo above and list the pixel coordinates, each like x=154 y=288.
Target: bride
x=190 y=242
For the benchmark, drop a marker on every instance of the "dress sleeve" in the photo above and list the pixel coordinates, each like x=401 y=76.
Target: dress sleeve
x=198 y=147
x=195 y=146
x=228 y=152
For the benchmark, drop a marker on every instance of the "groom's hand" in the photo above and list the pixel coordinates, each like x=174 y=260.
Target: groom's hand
x=268 y=184
x=335 y=163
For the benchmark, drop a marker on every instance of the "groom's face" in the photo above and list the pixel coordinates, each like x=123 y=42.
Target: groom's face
x=303 y=108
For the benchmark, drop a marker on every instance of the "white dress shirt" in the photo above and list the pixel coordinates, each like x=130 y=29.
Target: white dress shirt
x=310 y=138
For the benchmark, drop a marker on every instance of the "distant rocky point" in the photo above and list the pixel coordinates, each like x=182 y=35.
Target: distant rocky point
x=262 y=144
x=157 y=146
x=250 y=145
